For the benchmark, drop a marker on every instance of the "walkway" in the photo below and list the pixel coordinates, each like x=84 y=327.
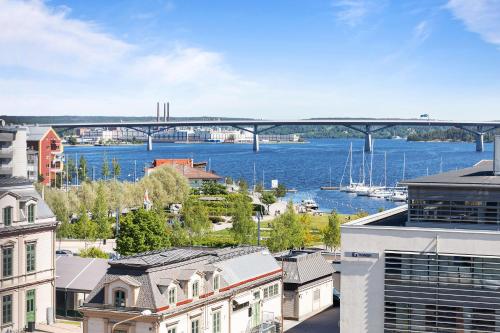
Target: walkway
x=324 y=322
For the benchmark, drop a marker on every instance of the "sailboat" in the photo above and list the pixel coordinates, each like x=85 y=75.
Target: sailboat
x=382 y=192
x=351 y=187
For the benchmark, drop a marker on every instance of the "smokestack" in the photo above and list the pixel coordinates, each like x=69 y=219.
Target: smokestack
x=164 y=112
x=496 y=156
x=157 y=112
x=168 y=111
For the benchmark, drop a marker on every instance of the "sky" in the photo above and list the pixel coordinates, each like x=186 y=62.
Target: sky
x=265 y=59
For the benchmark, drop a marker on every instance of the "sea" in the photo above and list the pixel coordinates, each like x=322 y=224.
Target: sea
x=304 y=167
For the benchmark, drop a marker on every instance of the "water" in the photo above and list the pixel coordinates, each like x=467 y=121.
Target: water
x=304 y=167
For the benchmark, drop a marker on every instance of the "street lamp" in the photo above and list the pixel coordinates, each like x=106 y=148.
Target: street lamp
x=143 y=313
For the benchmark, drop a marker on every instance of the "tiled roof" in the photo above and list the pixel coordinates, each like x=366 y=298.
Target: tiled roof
x=304 y=266
x=195 y=173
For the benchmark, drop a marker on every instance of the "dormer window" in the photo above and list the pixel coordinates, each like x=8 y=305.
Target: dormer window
x=172 y=295
x=216 y=282
x=7 y=216
x=31 y=213
x=120 y=299
x=196 y=289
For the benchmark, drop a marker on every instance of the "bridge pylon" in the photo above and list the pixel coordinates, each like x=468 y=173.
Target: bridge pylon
x=255 y=139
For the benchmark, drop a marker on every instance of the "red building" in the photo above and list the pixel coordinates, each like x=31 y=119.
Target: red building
x=48 y=147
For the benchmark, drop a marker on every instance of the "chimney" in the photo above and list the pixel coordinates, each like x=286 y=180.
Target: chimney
x=168 y=111
x=157 y=112
x=496 y=156
x=164 y=112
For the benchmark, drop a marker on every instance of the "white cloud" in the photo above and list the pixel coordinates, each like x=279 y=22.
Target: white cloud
x=479 y=16
x=421 y=32
x=353 y=12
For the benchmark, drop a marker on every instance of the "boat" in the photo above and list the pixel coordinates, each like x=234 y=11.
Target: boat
x=399 y=196
x=309 y=205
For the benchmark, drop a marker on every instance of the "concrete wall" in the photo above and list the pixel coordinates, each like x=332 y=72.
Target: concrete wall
x=362 y=287
x=19 y=160
x=307 y=305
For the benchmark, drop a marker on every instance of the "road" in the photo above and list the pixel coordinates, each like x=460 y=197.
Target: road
x=324 y=322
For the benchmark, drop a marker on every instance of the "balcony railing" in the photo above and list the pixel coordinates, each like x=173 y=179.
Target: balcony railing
x=5 y=170
x=6 y=152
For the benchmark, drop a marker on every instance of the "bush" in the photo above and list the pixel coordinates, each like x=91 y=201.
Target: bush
x=93 y=252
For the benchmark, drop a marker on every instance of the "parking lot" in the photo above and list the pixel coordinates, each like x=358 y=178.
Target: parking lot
x=324 y=322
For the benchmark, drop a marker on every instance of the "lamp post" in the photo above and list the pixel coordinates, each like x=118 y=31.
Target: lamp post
x=143 y=313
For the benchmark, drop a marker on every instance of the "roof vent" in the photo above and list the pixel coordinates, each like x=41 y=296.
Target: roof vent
x=496 y=156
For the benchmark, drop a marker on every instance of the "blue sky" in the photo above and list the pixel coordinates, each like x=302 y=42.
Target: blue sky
x=262 y=59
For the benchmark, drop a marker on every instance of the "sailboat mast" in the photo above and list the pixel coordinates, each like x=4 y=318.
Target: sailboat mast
x=404 y=165
x=385 y=169
x=350 y=165
x=330 y=176
x=363 y=167
x=371 y=164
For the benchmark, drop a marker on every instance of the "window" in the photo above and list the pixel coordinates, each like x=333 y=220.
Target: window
x=7 y=261
x=271 y=291
x=216 y=322
x=6 y=309
x=30 y=257
x=7 y=216
x=195 y=326
x=120 y=299
x=172 y=330
x=31 y=213
x=196 y=289
x=216 y=282
x=172 y=295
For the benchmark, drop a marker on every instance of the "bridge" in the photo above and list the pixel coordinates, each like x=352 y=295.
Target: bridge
x=366 y=126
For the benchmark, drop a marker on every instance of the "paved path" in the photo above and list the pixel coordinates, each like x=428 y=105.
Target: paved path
x=60 y=327
x=324 y=322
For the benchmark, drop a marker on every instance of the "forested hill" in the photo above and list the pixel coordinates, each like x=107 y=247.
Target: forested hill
x=410 y=133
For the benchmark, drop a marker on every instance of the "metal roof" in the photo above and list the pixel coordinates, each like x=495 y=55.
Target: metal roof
x=79 y=274
x=301 y=266
x=481 y=174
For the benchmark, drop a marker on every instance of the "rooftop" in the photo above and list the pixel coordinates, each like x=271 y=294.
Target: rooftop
x=302 y=266
x=481 y=174
x=36 y=133
x=79 y=274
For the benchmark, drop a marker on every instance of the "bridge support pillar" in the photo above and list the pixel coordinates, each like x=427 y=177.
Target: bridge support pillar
x=150 y=141
x=255 y=139
x=368 y=139
x=480 y=142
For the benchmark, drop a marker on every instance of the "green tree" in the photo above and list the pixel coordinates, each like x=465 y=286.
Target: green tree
x=196 y=217
x=82 y=169
x=268 y=199
x=93 y=252
x=84 y=228
x=244 y=229
x=142 y=230
x=70 y=169
x=105 y=168
x=259 y=187
x=213 y=188
x=65 y=230
x=286 y=231
x=331 y=234
x=100 y=213
x=280 y=191
x=116 y=168
x=179 y=236
x=229 y=180
x=242 y=183
x=72 y=140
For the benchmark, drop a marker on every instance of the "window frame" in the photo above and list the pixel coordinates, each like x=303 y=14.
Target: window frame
x=193 y=321
x=172 y=295
x=4 y=261
x=8 y=310
x=216 y=322
x=216 y=282
x=197 y=284
x=31 y=209
x=115 y=298
x=9 y=209
x=30 y=257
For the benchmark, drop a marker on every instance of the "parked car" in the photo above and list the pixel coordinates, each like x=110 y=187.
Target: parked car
x=336 y=297
x=64 y=253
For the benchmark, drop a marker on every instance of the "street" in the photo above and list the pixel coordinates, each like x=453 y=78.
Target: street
x=324 y=322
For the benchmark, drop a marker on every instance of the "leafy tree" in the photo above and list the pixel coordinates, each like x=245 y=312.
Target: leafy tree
x=268 y=199
x=82 y=169
x=196 y=217
x=70 y=169
x=142 y=230
x=116 y=168
x=65 y=230
x=84 y=227
x=229 y=180
x=105 y=168
x=179 y=235
x=259 y=187
x=72 y=140
x=306 y=221
x=242 y=183
x=213 y=188
x=93 y=252
x=244 y=229
x=100 y=213
x=331 y=234
x=280 y=191
x=286 y=231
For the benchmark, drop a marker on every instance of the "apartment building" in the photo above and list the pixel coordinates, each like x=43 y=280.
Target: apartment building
x=188 y=290
x=27 y=245
x=13 y=152
x=46 y=150
x=430 y=266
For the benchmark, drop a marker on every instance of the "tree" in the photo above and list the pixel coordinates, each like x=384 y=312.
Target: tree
x=84 y=228
x=280 y=191
x=259 y=187
x=229 y=180
x=100 y=213
x=242 y=183
x=331 y=234
x=82 y=169
x=306 y=222
x=116 y=168
x=244 y=229
x=105 y=168
x=70 y=168
x=286 y=231
x=196 y=217
x=179 y=236
x=213 y=188
x=268 y=199
x=141 y=231
x=93 y=252
x=72 y=140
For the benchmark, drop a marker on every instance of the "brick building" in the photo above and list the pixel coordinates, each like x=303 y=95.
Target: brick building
x=48 y=148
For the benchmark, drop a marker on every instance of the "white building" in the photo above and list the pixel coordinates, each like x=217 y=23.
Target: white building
x=308 y=283
x=431 y=266
x=188 y=290
x=13 y=162
x=27 y=244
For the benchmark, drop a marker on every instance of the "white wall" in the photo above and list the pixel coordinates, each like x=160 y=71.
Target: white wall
x=362 y=286
x=306 y=302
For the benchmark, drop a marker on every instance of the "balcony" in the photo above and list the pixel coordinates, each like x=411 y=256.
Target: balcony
x=6 y=137
x=6 y=152
x=5 y=170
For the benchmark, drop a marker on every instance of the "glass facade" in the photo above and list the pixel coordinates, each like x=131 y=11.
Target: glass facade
x=429 y=292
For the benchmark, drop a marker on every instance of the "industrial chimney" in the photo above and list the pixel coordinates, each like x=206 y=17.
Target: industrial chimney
x=496 y=156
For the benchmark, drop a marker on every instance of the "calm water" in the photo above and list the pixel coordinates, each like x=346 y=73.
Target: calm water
x=304 y=167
